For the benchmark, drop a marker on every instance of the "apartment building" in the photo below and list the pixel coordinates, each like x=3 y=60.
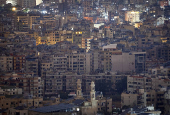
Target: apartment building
x=95 y=60
x=2 y=2
x=86 y=43
x=28 y=20
x=60 y=63
x=19 y=62
x=71 y=82
x=104 y=103
x=166 y=102
x=6 y=63
x=132 y=16
x=140 y=58
x=135 y=83
x=123 y=63
x=76 y=62
x=10 y=90
x=27 y=3
x=107 y=53
x=19 y=100
x=143 y=98
x=54 y=83
x=77 y=38
x=45 y=65
x=32 y=85
x=129 y=99
x=32 y=65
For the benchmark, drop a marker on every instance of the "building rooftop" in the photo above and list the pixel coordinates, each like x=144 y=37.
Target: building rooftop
x=54 y=108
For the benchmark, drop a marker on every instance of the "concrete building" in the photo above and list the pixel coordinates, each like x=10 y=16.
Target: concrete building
x=166 y=102
x=60 y=63
x=7 y=90
x=132 y=16
x=18 y=110
x=140 y=58
x=123 y=63
x=134 y=83
x=76 y=62
x=19 y=62
x=32 y=86
x=95 y=61
x=32 y=65
x=26 y=3
x=6 y=63
x=54 y=83
x=143 y=98
x=2 y=2
x=19 y=100
x=129 y=99
x=86 y=43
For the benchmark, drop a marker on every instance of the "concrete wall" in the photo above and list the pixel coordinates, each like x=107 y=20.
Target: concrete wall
x=123 y=63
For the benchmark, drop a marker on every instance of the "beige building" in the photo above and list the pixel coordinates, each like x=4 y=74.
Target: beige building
x=46 y=66
x=135 y=83
x=26 y=3
x=143 y=98
x=18 y=110
x=6 y=63
x=53 y=83
x=32 y=65
x=7 y=90
x=19 y=100
x=71 y=81
x=132 y=16
x=76 y=62
x=60 y=62
x=32 y=86
x=128 y=99
x=86 y=43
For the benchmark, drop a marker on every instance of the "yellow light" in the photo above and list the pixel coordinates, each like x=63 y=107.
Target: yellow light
x=13 y=9
x=133 y=12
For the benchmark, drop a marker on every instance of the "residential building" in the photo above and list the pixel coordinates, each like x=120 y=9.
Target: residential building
x=123 y=63
x=10 y=90
x=6 y=63
x=76 y=62
x=132 y=16
x=32 y=65
x=19 y=62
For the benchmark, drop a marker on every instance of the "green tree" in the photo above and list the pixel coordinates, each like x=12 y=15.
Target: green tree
x=121 y=85
x=104 y=86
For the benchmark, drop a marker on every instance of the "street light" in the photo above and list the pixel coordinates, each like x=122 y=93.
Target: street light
x=13 y=9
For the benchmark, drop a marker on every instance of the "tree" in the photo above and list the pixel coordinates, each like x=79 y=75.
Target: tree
x=121 y=85
x=104 y=86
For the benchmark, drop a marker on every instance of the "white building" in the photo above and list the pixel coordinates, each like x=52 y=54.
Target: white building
x=13 y=2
